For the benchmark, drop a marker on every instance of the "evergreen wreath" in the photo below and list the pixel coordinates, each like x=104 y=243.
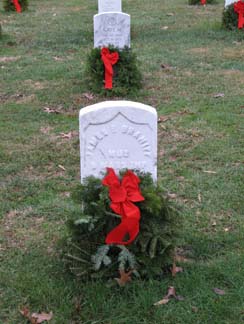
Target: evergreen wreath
x=198 y=2
x=230 y=18
x=148 y=256
x=8 y=5
x=127 y=77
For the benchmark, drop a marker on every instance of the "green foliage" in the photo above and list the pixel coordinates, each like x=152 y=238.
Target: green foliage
x=196 y=2
x=127 y=77
x=148 y=255
x=230 y=18
x=9 y=6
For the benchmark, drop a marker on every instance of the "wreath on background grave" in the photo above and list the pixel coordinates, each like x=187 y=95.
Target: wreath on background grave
x=230 y=17
x=201 y=2
x=125 y=225
x=10 y=5
x=126 y=76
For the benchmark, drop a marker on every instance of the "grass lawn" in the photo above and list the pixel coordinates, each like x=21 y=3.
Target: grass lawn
x=201 y=159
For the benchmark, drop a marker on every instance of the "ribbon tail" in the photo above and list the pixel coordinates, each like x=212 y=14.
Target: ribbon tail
x=17 y=5
x=117 y=235
x=241 y=20
x=108 y=79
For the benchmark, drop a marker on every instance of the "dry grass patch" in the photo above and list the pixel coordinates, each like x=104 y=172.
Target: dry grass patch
x=36 y=85
x=199 y=50
x=233 y=53
x=6 y=59
x=18 y=229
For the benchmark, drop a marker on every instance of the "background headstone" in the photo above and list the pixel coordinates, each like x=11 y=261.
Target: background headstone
x=112 y=29
x=109 y=6
x=229 y=2
x=118 y=134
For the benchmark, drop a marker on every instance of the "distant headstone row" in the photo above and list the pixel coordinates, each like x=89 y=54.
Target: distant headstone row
x=111 y=25
x=229 y=2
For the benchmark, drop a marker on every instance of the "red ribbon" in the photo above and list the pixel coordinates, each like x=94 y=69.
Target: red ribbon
x=203 y=2
x=239 y=9
x=17 y=5
x=109 y=59
x=122 y=196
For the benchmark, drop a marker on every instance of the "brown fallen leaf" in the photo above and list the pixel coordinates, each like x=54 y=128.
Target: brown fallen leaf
x=125 y=277
x=57 y=58
x=219 y=291
x=42 y=317
x=172 y=195
x=88 y=95
x=36 y=318
x=199 y=196
x=51 y=111
x=25 y=312
x=175 y=269
x=219 y=95
x=68 y=135
x=166 y=66
x=163 y=119
x=171 y=294
x=210 y=172
x=61 y=167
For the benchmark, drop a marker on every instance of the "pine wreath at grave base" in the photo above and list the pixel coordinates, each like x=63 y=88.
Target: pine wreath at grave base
x=198 y=2
x=9 y=5
x=148 y=256
x=230 y=18
x=127 y=77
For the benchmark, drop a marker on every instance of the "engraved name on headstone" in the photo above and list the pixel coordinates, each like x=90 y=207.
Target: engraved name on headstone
x=112 y=29
x=109 y=6
x=118 y=134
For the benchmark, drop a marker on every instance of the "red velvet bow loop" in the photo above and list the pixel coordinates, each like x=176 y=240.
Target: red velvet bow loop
x=17 y=5
x=122 y=196
x=109 y=59
x=239 y=9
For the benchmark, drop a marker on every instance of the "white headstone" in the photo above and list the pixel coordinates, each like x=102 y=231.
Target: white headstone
x=109 y=6
x=112 y=28
x=118 y=134
x=229 y=2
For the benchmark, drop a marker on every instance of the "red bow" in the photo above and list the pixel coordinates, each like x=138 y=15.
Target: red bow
x=17 y=5
x=239 y=9
x=122 y=197
x=203 y=2
x=109 y=59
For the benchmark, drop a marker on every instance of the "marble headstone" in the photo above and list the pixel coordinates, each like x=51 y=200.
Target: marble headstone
x=111 y=28
x=109 y=6
x=118 y=134
x=229 y=2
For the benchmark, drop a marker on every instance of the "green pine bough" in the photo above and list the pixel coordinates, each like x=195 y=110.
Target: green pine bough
x=149 y=256
x=8 y=5
x=230 y=18
x=126 y=79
